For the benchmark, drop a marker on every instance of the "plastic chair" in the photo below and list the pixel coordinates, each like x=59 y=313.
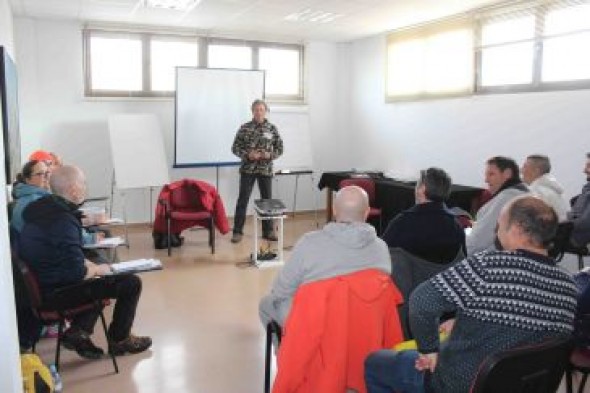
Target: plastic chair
x=368 y=185
x=59 y=307
x=531 y=369
x=184 y=205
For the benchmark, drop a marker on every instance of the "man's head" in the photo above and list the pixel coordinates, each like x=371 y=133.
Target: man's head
x=68 y=182
x=535 y=166
x=351 y=205
x=434 y=185
x=259 y=109
x=587 y=167
x=499 y=170
x=527 y=223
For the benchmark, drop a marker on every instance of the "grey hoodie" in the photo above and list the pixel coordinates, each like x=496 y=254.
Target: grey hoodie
x=338 y=248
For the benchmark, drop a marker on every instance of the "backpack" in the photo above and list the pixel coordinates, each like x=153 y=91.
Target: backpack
x=36 y=376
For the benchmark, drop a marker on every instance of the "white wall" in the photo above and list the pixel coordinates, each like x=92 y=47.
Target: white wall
x=11 y=381
x=460 y=134
x=55 y=116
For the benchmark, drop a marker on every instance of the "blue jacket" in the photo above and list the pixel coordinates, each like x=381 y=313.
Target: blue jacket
x=427 y=230
x=24 y=194
x=51 y=242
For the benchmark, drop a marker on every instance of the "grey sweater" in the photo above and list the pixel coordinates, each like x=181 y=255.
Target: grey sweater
x=338 y=248
x=483 y=234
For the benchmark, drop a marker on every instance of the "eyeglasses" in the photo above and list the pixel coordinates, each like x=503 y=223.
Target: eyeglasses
x=44 y=174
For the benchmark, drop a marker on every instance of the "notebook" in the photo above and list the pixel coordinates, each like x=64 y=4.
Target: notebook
x=136 y=265
x=270 y=207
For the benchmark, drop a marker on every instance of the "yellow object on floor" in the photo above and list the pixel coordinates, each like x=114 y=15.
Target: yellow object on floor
x=30 y=365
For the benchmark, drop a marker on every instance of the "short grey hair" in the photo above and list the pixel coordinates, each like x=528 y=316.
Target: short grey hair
x=351 y=204
x=257 y=102
x=437 y=183
x=536 y=218
x=63 y=178
x=541 y=162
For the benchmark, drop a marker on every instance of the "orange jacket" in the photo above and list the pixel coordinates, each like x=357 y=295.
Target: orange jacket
x=332 y=327
x=209 y=199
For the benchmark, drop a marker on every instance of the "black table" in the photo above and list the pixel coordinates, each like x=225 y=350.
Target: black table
x=394 y=196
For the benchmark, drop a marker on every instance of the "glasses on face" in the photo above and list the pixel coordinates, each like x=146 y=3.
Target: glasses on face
x=43 y=174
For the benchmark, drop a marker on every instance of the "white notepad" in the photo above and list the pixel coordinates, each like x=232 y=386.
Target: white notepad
x=136 y=265
x=109 y=242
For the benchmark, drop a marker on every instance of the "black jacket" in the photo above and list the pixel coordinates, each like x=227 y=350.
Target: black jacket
x=51 y=242
x=428 y=230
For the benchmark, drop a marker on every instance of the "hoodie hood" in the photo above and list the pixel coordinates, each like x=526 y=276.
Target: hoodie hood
x=24 y=190
x=548 y=181
x=351 y=234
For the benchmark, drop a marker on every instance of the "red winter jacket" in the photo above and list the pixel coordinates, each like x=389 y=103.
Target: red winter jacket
x=208 y=198
x=333 y=325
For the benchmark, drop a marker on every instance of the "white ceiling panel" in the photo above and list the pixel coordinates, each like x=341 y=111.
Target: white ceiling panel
x=259 y=18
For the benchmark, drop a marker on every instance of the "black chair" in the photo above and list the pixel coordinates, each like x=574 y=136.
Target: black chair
x=59 y=307
x=562 y=245
x=580 y=358
x=530 y=369
x=272 y=328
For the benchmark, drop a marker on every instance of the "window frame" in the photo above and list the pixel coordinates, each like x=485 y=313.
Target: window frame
x=203 y=44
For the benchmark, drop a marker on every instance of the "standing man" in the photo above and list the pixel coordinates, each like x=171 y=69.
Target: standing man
x=580 y=213
x=257 y=143
x=535 y=173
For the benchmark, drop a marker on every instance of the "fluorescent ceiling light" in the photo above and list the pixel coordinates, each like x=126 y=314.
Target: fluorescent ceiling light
x=176 y=5
x=309 y=15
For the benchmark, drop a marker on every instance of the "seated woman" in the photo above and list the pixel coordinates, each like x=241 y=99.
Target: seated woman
x=31 y=184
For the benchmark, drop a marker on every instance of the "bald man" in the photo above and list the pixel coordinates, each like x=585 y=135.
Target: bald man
x=51 y=243
x=345 y=246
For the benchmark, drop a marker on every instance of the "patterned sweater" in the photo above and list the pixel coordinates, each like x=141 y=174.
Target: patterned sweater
x=257 y=136
x=501 y=299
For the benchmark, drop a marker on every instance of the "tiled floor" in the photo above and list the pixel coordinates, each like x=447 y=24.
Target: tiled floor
x=202 y=313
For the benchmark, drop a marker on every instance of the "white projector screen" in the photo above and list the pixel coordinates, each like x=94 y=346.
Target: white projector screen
x=211 y=104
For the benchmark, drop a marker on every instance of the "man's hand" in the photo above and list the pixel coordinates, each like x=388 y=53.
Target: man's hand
x=447 y=326
x=427 y=362
x=254 y=155
x=93 y=270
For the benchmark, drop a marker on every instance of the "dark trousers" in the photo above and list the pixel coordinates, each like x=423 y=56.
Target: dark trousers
x=124 y=288
x=246 y=186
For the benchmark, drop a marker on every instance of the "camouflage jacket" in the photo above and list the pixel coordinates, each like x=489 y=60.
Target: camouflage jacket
x=257 y=136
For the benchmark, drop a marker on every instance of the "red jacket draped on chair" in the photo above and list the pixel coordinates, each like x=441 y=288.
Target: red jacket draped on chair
x=332 y=327
x=209 y=199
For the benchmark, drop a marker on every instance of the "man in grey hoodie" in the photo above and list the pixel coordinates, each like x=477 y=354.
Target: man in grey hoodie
x=535 y=173
x=342 y=247
x=504 y=184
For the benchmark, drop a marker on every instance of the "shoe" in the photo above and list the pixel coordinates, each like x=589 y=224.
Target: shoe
x=78 y=340
x=51 y=331
x=270 y=236
x=132 y=344
x=236 y=238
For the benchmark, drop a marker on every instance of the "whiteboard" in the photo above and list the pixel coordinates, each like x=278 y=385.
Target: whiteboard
x=294 y=130
x=211 y=104
x=137 y=147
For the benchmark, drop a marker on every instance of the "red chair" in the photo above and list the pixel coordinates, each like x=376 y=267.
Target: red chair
x=183 y=209
x=60 y=307
x=368 y=185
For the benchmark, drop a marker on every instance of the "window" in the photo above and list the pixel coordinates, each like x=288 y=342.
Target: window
x=165 y=56
x=429 y=63
x=121 y=64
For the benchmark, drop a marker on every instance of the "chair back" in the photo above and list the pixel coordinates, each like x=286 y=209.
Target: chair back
x=561 y=240
x=185 y=197
x=532 y=369
x=28 y=280
x=366 y=184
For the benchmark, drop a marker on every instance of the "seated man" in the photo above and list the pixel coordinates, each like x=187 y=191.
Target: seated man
x=504 y=184
x=580 y=213
x=345 y=246
x=51 y=243
x=428 y=230
x=502 y=299
x=535 y=173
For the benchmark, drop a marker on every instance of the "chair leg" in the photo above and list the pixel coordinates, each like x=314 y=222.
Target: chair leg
x=583 y=383
x=580 y=262
x=109 y=341
x=568 y=379
x=169 y=236
x=60 y=332
x=212 y=235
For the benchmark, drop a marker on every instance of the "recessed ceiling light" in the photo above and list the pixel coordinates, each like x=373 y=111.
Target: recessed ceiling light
x=309 y=15
x=176 y=5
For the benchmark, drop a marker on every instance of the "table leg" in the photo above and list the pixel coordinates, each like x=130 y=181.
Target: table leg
x=329 y=201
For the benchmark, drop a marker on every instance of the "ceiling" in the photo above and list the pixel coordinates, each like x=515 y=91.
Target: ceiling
x=256 y=19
